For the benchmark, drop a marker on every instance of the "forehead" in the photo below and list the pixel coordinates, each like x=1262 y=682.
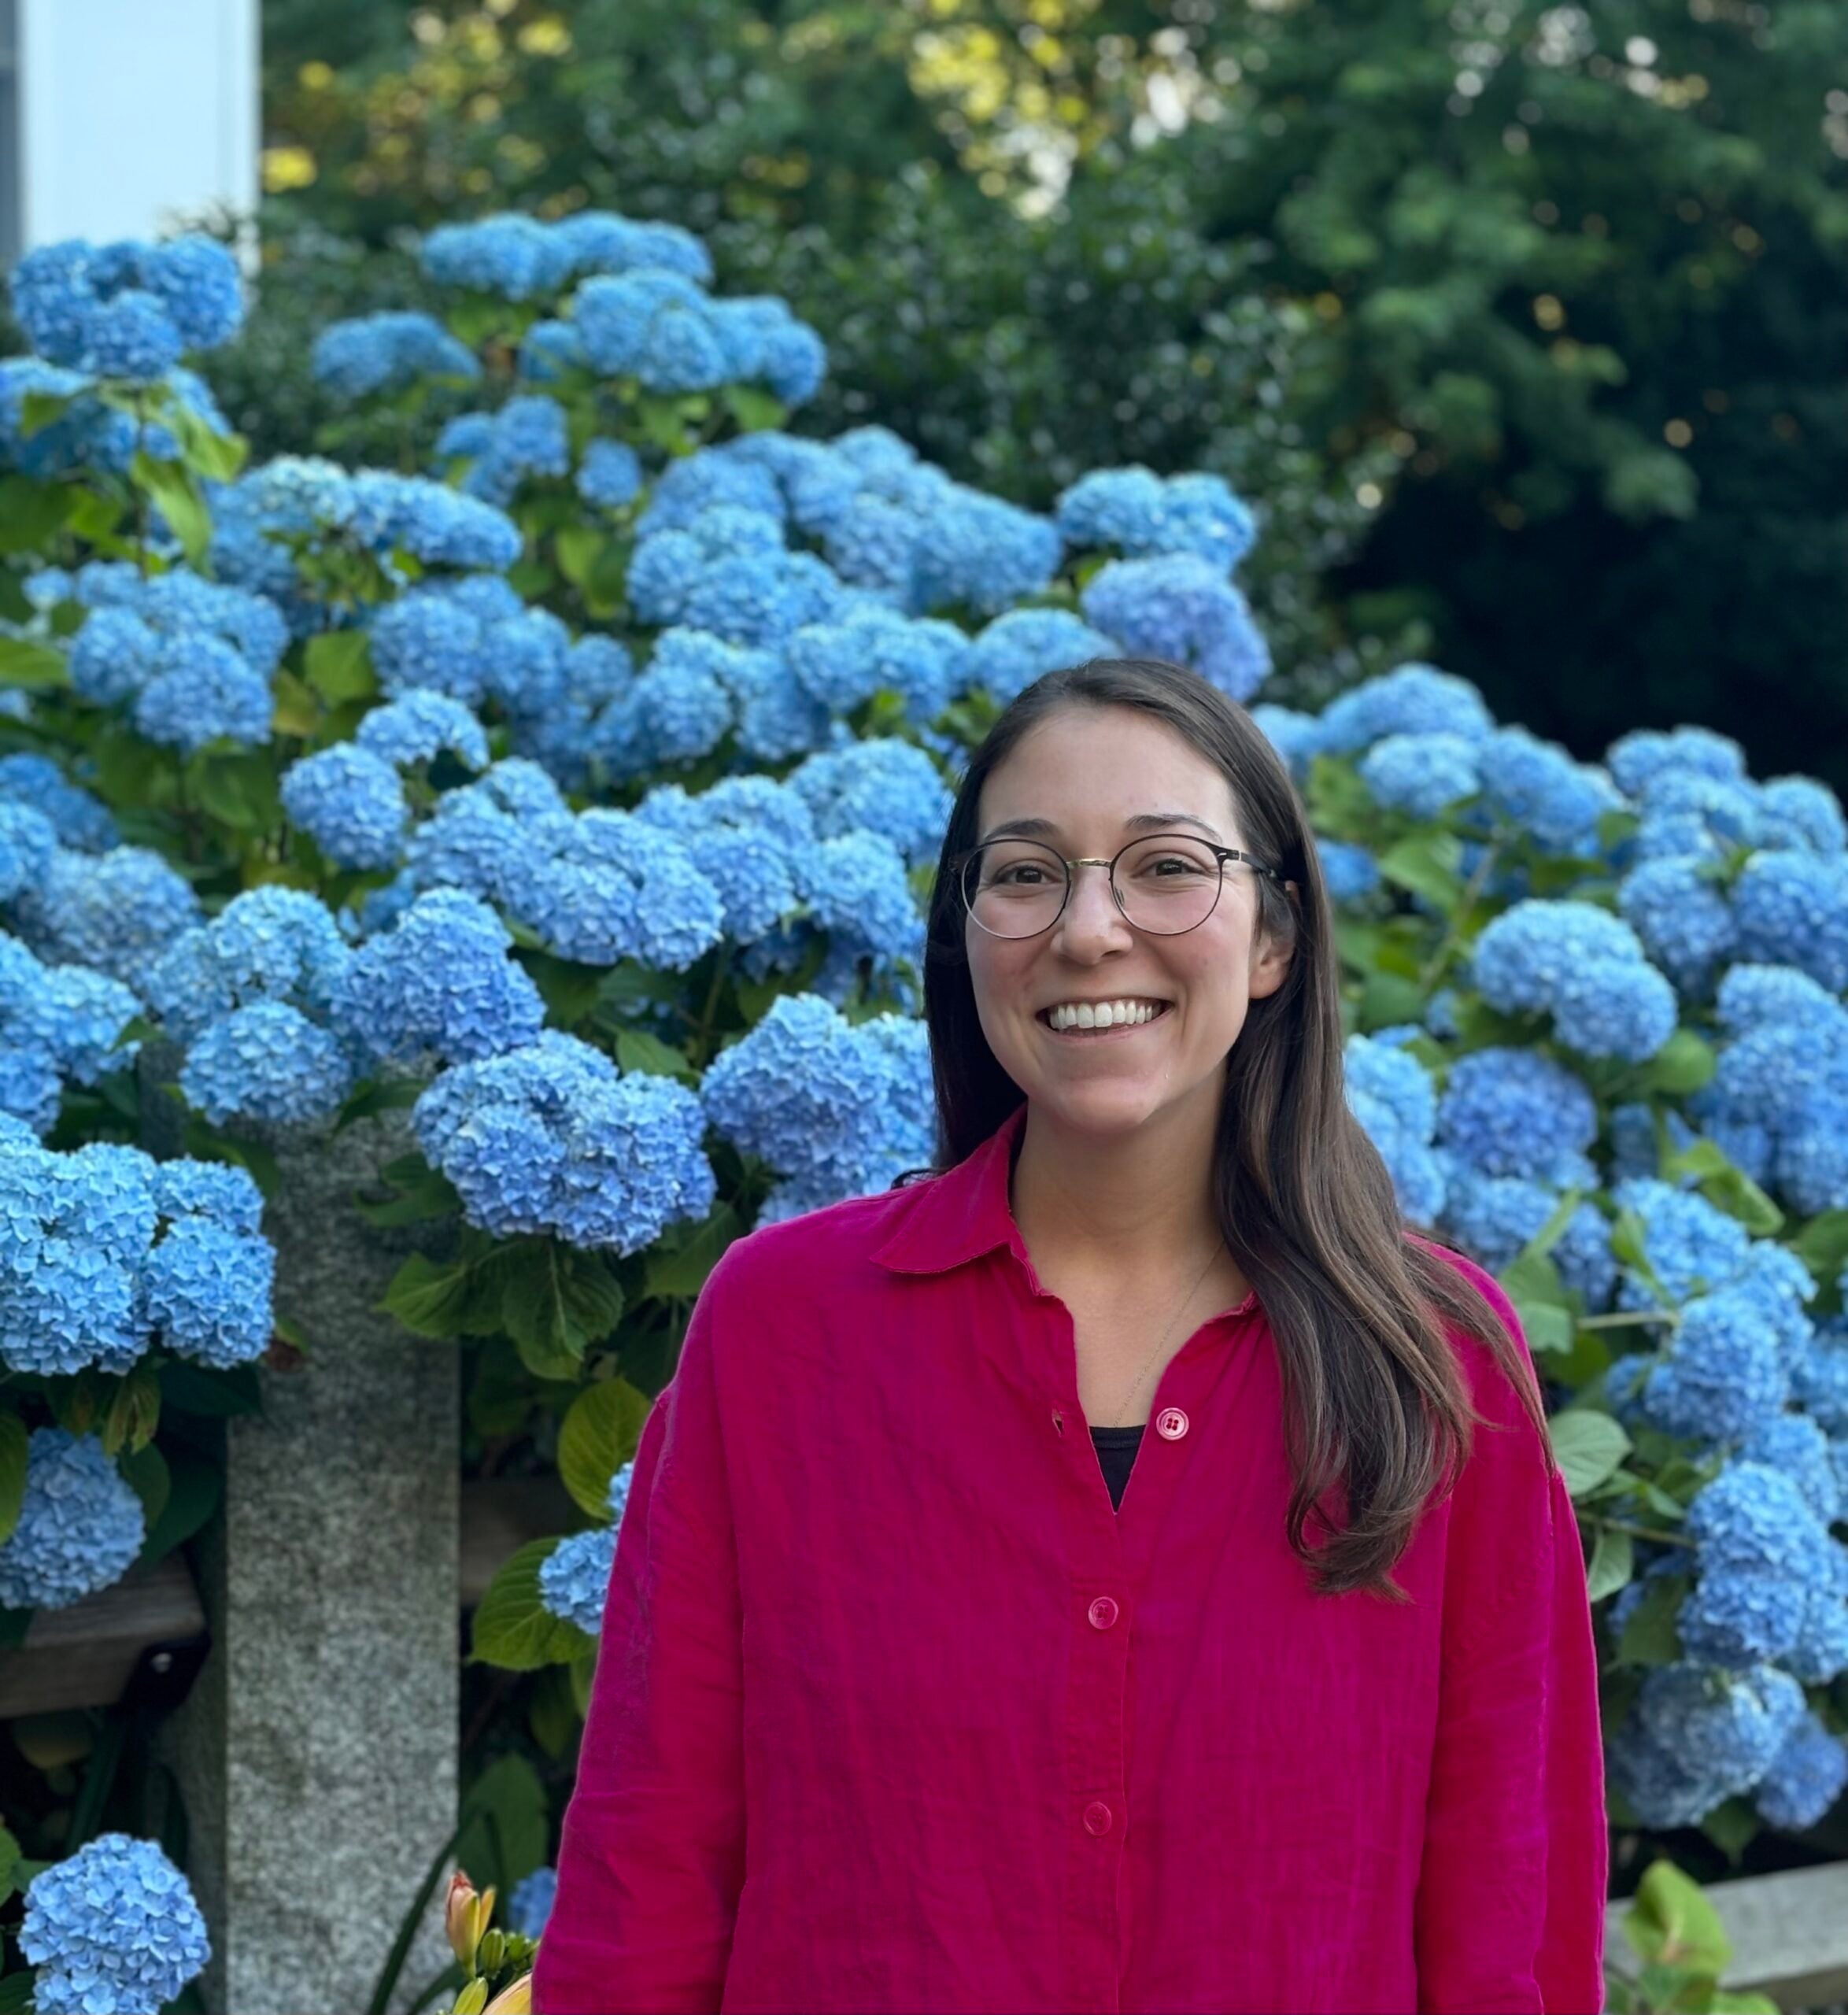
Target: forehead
x=1100 y=766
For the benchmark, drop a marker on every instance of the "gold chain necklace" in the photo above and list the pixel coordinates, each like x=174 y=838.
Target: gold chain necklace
x=1122 y=1405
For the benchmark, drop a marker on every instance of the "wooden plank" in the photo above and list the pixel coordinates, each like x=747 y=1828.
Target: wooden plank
x=1789 y=1934
x=499 y=1515
x=84 y=1654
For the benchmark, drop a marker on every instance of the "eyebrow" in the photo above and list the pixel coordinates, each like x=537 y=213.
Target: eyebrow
x=1140 y=822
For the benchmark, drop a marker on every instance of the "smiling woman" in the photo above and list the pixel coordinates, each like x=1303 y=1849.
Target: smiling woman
x=912 y=1692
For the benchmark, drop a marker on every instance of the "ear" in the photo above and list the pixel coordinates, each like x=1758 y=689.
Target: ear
x=1272 y=964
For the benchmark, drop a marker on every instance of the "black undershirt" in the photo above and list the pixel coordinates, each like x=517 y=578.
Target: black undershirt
x=1116 y=1454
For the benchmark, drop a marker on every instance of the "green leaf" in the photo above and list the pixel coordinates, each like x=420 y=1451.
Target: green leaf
x=600 y=1434
x=1613 y=1564
x=1588 y=1445
x=1531 y=1282
x=570 y=990
x=9 y=1863
x=214 y=1395
x=1733 y=1826
x=428 y=1297
x=386 y=1097
x=556 y=1303
x=679 y=1274
x=578 y=547
x=32 y=513
x=513 y=1629
x=506 y=1822
x=1736 y=1194
x=1650 y=1636
x=174 y=491
x=637 y=1050
x=1429 y=863
x=37 y=411
x=432 y=1196
x=1546 y=1326
x=339 y=665
x=1682 y=1064
x=752 y=408
x=194 y=1488
x=150 y=1479
x=134 y=1413
x=1672 y=1923
x=14 y=1441
x=217 y=456
x=36 y=665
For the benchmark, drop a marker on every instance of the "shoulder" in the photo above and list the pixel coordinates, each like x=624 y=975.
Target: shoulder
x=800 y=1254
x=1491 y=1373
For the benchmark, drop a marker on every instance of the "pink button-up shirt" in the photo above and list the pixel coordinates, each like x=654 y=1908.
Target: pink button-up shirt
x=894 y=1711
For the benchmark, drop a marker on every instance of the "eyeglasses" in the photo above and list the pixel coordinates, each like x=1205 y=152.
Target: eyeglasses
x=1164 y=882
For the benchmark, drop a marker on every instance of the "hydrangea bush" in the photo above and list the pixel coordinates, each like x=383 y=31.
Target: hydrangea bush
x=581 y=795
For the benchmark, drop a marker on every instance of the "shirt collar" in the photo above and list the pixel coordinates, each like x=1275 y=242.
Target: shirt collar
x=963 y=1213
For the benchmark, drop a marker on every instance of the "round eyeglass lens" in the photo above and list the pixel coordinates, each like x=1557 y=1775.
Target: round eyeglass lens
x=1165 y=883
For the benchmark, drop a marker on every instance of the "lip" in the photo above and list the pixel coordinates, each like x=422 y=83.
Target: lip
x=1092 y=1038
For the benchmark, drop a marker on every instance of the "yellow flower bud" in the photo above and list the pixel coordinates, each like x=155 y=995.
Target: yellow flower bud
x=465 y=1916
x=472 y=1999
x=515 y=2000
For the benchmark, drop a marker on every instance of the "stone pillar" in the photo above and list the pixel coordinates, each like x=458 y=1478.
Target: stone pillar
x=317 y=1753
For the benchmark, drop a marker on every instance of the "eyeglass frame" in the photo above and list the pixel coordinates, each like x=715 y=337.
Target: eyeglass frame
x=1222 y=854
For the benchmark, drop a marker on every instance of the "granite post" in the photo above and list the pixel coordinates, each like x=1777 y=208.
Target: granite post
x=316 y=1753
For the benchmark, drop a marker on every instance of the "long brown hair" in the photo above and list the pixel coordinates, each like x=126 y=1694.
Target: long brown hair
x=1375 y=1400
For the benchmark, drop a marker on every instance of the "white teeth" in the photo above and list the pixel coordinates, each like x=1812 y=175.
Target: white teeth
x=1102 y=1015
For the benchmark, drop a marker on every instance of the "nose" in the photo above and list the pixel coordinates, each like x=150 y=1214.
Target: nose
x=1091 y=921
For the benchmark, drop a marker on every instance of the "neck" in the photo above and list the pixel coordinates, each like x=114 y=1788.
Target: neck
x=1135 y=1208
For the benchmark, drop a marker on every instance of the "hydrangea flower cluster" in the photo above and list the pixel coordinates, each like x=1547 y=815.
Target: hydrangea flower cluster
x=116 y=911
x=80 y=1525
x=662 y=329
x=113 y=1930
x=109 y=1253
x=574 y=1579
x=528 y=1903
x=191 y=659
x=1586 y=969
x=837 y=1109
x=369 y=354
x=521 y=258
x=89 y=433
x=58 y=1025
x=551 y=1139
x=1390 y=1093
x=127 y=310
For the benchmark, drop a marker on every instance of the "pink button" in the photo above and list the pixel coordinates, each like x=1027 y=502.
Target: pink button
x=1171 y=1423
x=1103 y=1613
x=1097 y=1818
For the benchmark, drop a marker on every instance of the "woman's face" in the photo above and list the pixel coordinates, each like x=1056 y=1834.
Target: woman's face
x=1087 y=770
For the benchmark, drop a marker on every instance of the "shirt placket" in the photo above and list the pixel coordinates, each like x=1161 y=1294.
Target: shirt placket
x=1101 y=1544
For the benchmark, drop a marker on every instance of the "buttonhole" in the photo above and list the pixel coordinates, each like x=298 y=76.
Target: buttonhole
x=1058 y=1421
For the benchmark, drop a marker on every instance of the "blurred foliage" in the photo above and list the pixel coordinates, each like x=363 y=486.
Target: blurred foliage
x=1521 y=324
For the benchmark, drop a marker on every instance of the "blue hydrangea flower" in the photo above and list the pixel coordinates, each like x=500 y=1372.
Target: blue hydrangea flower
x=1638 y=759
x=1805 y=1778
x=350 y=804
x=1421 y=774
x=271 y=944
x=127 y=309
x=1351 y=873
x=1008 y=654
x=1180 y=608
x=82 y=822
x=529 y=1904
x=1584 y=966
x=80 y=1525
x=1792 y=908
x=1516 y=1112
x=112 y=1930
x=1143 y=517
x=516 y=257
x=116 y=911
x=1799 y=811
x=369 y=354
x=609 y=475
x=208 y=1290
x=1415 y=699
x=844 y=662
x=1390 y=1093
x=1698 y=1735
x=1539 y=789
x=883 y=786
x=419 y=727
x=548 y=1139
x=527 y=437
x=1683 y=919
x=839 y=1108
x=438 y=986
x=266 y=1061
x=574 y=1579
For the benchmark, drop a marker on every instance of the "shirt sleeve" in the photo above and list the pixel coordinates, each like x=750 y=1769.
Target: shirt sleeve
x=1510 y=1907
x=651 y=1858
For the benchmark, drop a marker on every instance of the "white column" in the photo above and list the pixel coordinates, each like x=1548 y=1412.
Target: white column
x=135 y=116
